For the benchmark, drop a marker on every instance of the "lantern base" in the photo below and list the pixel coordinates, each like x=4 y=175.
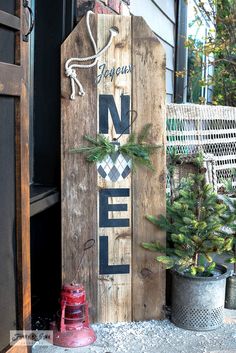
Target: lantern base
x=80 y=337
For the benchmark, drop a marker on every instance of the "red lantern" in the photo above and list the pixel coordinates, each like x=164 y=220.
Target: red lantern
x=73 y=329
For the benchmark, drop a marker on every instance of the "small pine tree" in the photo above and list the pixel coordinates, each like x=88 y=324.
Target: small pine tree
x=198 y=224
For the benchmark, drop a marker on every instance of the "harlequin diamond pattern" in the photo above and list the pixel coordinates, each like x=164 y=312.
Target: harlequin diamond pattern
x=115 y=167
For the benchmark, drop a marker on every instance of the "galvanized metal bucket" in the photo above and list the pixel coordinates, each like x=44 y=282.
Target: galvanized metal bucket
x=198 y=302
x=230 y=297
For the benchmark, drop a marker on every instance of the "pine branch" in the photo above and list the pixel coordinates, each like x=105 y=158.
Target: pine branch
x=136 y=148
x=144 y=133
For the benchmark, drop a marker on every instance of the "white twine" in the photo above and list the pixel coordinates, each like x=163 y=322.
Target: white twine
x=70 y=68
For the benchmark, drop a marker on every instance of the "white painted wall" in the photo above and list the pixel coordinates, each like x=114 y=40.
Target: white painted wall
x=161 y=17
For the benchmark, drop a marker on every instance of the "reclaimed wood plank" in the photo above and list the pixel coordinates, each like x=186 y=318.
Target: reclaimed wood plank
x=114 y=290
x=148 y=284
x=79 y=178
x=122 y=280
x=18 y=77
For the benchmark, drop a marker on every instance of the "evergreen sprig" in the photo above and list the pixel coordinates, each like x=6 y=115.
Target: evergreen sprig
x=101 y=147
x=136 y=148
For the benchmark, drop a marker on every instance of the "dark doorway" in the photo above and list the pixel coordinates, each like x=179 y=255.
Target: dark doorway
x=52 y=22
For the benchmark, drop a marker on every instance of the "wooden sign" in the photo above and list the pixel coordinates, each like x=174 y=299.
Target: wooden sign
x=105 y=203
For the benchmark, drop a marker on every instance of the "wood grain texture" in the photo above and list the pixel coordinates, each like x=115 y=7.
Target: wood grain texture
x=114 y=291
x=79 y=178
x=18 y=348
x=22 y=182
x=139 y=294
x=148 y=188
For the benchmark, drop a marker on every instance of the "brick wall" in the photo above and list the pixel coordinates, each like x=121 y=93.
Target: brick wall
x=115 y=7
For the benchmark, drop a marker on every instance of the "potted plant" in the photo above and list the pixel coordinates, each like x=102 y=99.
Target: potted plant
x=228 y=188
x=198 y=224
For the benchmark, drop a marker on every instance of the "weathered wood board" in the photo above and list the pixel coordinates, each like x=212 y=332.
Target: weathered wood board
x=114 y=283
x=122 y=280
x=149 y=189
x=79 y=179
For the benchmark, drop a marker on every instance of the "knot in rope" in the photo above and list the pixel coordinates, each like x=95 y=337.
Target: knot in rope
x=70 y=67
x=70 y=72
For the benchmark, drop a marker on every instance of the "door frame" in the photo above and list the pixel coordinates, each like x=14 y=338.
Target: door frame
x=14 y=82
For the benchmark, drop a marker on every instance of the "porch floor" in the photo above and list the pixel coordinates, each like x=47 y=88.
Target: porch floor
x=155 y=337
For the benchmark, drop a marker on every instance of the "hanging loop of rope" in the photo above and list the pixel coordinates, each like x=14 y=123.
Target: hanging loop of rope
x=73 y=63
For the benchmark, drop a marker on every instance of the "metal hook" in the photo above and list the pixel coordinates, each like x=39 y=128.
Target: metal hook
x=131 y=123
x=89 y=244
x=26 y=6
x=86 y=246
